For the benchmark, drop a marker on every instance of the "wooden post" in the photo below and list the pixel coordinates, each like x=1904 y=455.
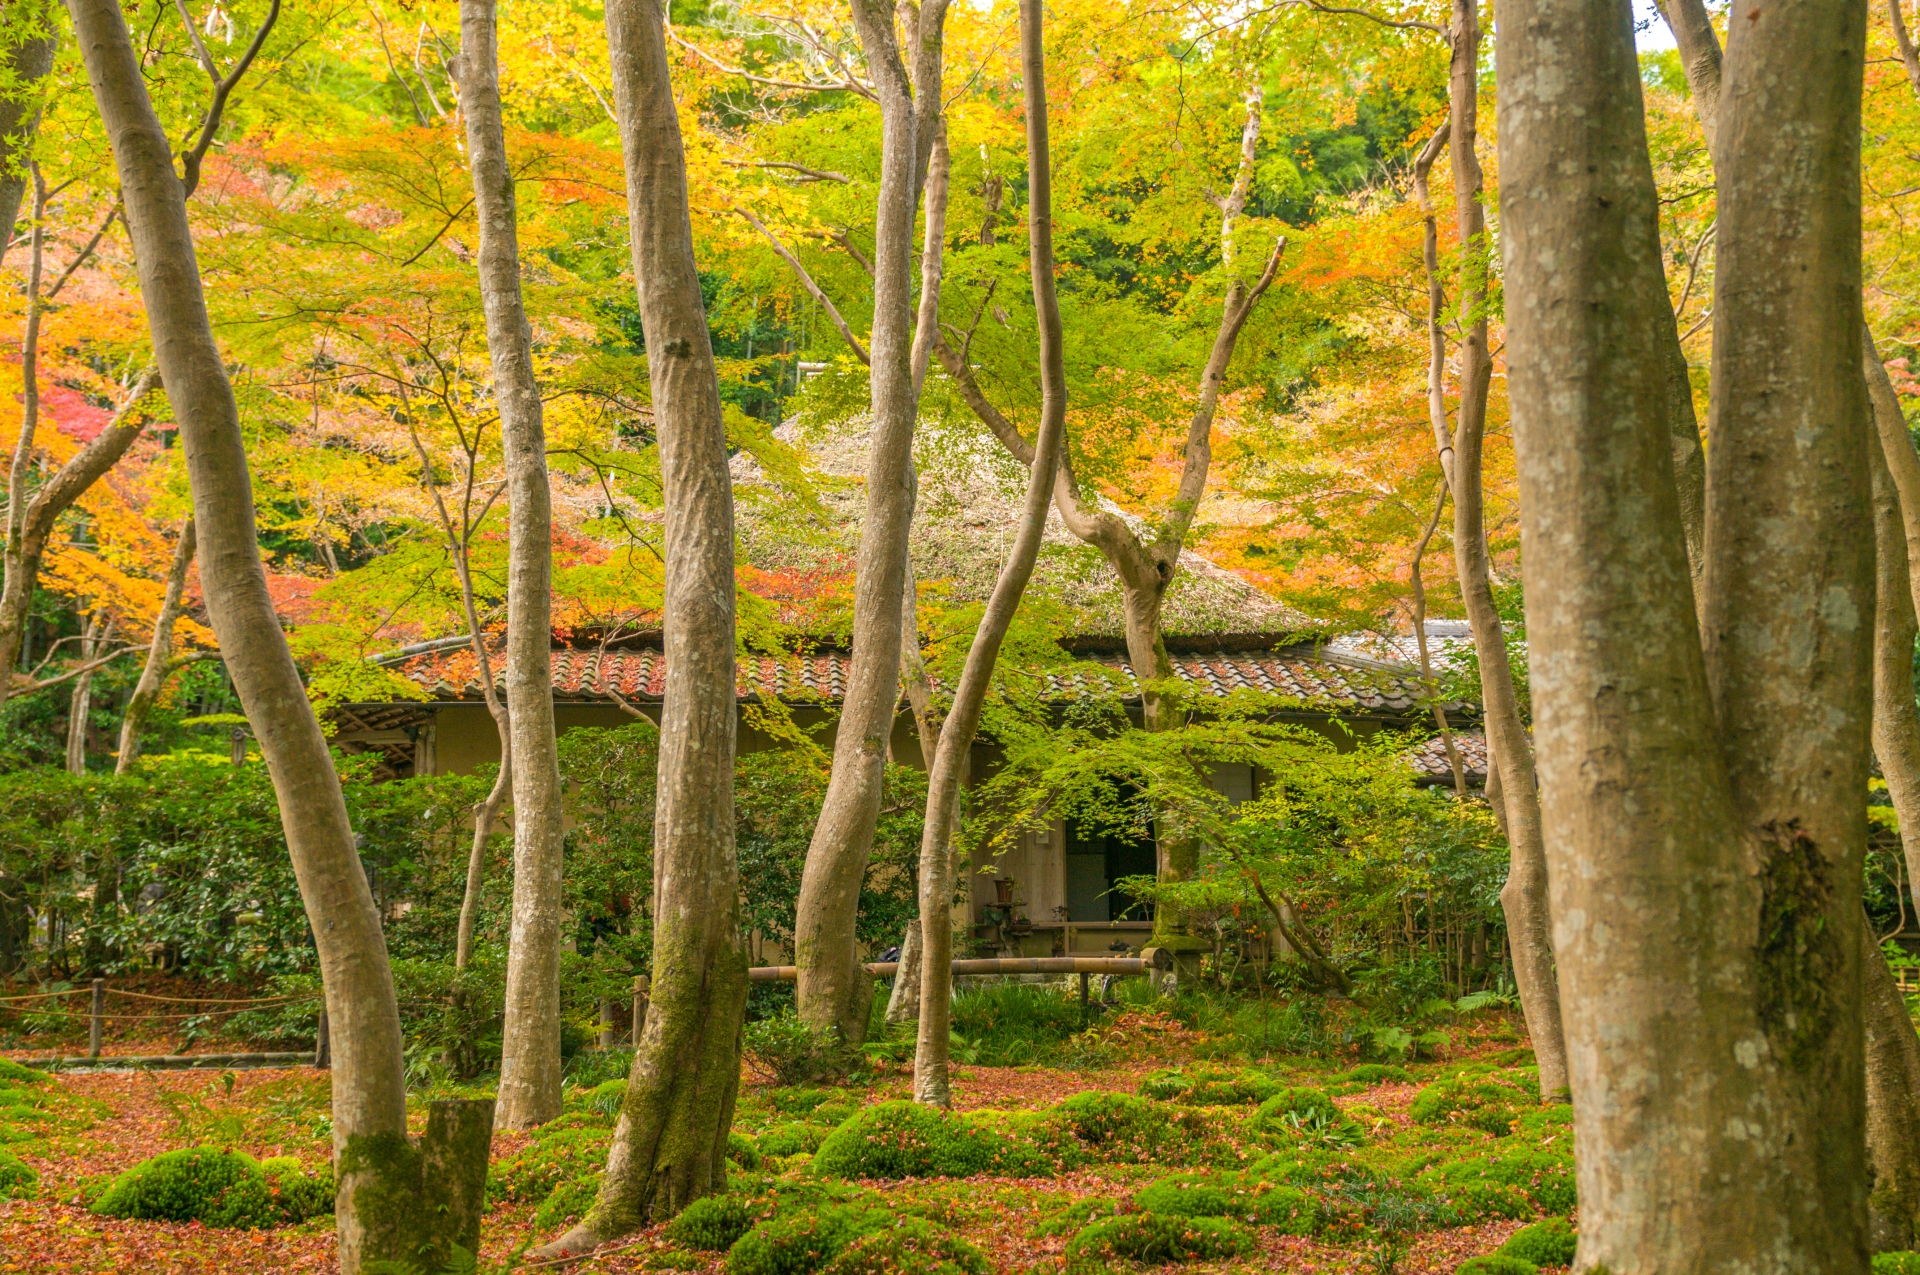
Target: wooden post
x=1083 y=1000
x=322 y=1048
x=640 y=986
x=94 y=1020
x=606 y=1024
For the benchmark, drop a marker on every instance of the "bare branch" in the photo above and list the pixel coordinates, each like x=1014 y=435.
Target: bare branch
x=222 y=89
x=805 y=174
x=806 y=280
x=847 y=83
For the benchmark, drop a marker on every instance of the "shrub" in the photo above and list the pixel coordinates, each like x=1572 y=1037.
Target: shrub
x=711 y=1224
x=1896 y=1264
x=18 y=1181
x=801 y=1243
x=1207 y=1087
x=297 y=1194
x=1116 y=1125
x=530 y=1175
x=789 y=1052
x=1496 y=1265
x=15 y=1074
x=1013 y=1024
x=1153 y=1240
x=1484 y=1102
x=791 y=1139
x=1551 y=1243
x=1231 y=1195
x=212 y=1185
x=906 y=1140
x=567 y=1203
x=741 y=1151
x=909 y=1247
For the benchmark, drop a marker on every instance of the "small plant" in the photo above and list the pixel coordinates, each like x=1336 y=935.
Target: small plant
x=605 y=1098
x=1552 y=1243
x=711 y=1224
x=789 y=1052
x=1154 y=1240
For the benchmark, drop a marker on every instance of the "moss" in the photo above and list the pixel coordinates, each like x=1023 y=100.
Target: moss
x=798 y=1102
x=1114 y=1126
x=711 y=1224
x=18 y=1180
x=215 y=1186
x=1552 y=1242
x=896 y=1140
x=741 y=1150
x=566 y=1203
x=791 y=1139
x=1378 y=1074
x=1544 y=1177
x=1497 y=1264
x=1482 y=1101
x=801 y=1243
x=1072 y=1217
x=1252 y=1199
x=529 y=1175
x=832 y=1114
x=909 y=1247
x=298 y=1194
x=1799 y=954
x=1896 y=1264
x=1154 y=1240
x=605 y=1099
x=1209 y=1087
x=15 y=1074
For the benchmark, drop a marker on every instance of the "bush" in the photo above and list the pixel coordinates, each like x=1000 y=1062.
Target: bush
x=801 y=1243
x=567 y=1203
x=711 y=1224
x=1292 y=1211
x=18 y=1181
x=741 y=1151
x=909 y=1247
x=791 y=1139
x=1484 y=1102
x=788 y=1052
x=1896 y=1264
x=297 y=1194
x=1153 y=1240
x=1551 y=1243
x=1207 y=1087
x=212 y=1185
x=907 y=1140
x=1496 y=1265
x=530 y=1175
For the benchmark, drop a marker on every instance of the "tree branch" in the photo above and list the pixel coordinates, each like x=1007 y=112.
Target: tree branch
x=806 y=280
x=190 y=160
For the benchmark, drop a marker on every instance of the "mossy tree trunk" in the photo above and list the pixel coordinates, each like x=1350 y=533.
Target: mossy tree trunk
x=530 y=1049
x=670 y=1143
x=383 y=1177
x=930 y=1062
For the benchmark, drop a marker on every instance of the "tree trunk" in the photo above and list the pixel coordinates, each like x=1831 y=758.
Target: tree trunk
x=1702 y=807
x=153 y=677
x=669 y=1147
x=1524 y=896
x=1896 y=724
x=1893 y=1108
x=903 y=1006
x=833 y=992
x=380 y=1174
x=930 y=1069
x=530 y=1050
x=28 y=63
x=80 y=706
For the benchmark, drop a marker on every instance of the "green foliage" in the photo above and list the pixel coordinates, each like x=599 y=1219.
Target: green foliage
x=216 y=1186
x=1206 y=1087
x=791 y=1139
x=800 y=1101
x=711 y=1224
x=18 y=1180
x=609 y=847
x=1015 y=1024
x=1497 y=1264
x=1552 y=1242
x=604 y=1099
x=1480 y=1100
x=790 y=1052
x=298 y=1194
x=909 y=1247
x=1070 y=1218
x=1896 y=1264
x=902 y=1139
x=566 y=1203
x=1153 y=1240
x=803 y=1242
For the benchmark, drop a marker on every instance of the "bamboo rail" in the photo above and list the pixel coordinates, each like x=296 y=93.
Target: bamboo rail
x=1146 y=963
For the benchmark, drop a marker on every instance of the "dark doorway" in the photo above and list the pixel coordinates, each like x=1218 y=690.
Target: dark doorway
x=1098 y=857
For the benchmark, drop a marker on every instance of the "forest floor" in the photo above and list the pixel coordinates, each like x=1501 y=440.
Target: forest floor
x=1324 y=1167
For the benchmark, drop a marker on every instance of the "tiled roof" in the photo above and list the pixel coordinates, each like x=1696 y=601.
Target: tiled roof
x=1431 y=766
x=638 y=674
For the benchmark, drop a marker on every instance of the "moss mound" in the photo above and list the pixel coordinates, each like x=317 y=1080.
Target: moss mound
x=903 y=1139
x=798 y=1102
x=298 y=1194
x=1209 y=1087
x=1264 y=1203
x=1114 y=1125
x=1479 y=1100
x=1155 y=1240
x=18 y=1180
x=742 y=1151
x=1498 y=1264
x=1070 y=1218
x=1896 y=1264
x=1543 y=1177
x=711 y=1224
x=1551 y=1243
x=14 y=1074
x=530 y=1175
x=791 y=1139
x=567 y=1203
x=801 y=1243
x=909 y=1247
x=215 y=1186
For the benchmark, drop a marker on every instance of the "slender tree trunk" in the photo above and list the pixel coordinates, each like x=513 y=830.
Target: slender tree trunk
x=382 y=1174
x=28 y=63
x=1702 y=806
x=80 y=705
x=669 y=1147
x=1524 y=897
x=153 y=677
x=930 y=1069
x=903 y=1005
x=1893 y=1107
x=530 y=1051
x=833 y=991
